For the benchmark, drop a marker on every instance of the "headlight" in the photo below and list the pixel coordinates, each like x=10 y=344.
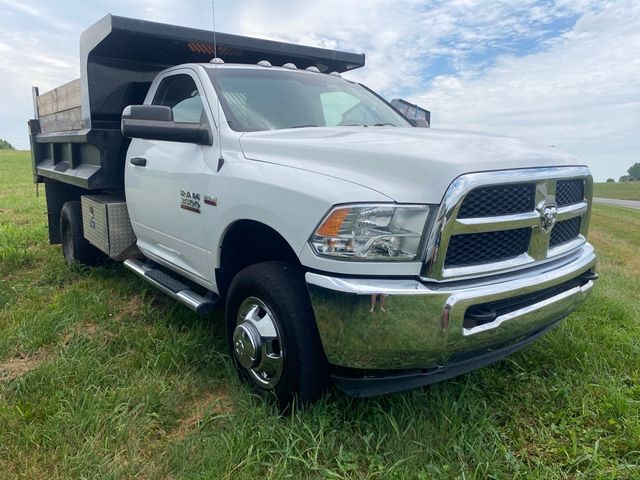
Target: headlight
x=372 y=232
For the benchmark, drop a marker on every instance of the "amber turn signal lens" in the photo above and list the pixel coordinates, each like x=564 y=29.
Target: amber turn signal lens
x=331 y=226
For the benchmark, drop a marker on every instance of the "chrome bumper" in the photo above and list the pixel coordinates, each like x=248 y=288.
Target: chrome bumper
x=423 y=325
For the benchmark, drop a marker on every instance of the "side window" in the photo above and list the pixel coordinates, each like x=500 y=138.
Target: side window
x=179 y=92
x=341 y=108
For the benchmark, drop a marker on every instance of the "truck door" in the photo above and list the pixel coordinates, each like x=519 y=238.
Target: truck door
x=165 y=195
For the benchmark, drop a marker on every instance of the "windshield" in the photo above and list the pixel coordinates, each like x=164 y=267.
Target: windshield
x=270 y=99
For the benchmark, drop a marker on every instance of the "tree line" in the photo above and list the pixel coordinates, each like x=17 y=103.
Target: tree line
x=633 y=174
x=4 y=145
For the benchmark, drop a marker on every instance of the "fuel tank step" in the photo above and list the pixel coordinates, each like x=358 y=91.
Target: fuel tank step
x=173 y=287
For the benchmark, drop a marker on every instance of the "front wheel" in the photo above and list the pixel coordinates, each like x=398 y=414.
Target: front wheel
x=272 y=333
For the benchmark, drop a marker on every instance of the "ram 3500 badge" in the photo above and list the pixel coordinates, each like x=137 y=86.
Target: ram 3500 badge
x=190 y=201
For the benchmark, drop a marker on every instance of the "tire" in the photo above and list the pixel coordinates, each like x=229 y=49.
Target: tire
x=75 y=248
x=276 y=294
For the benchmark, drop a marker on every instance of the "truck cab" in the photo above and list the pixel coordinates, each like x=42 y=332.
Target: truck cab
x=260 y=100
x=344 y=243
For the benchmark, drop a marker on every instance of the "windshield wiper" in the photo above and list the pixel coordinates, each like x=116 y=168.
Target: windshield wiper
x=302 y=126
x=382 y=124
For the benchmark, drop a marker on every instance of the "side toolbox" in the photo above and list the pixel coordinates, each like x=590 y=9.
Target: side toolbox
x=106 y=225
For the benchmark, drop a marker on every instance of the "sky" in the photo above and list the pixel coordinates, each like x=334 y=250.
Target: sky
x=556 y=72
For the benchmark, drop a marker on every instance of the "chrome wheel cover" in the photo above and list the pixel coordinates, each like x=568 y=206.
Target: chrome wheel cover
x=257 y=344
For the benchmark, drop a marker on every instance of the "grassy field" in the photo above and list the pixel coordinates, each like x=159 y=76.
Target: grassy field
x=102 y=376
x=621 y=191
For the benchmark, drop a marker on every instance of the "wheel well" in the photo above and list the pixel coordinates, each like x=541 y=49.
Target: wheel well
x=57 y=194
x=246 y=243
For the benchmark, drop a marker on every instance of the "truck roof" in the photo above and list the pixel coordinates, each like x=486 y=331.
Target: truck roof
x=211 y=66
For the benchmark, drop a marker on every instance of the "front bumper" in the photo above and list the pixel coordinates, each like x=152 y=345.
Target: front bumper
x=432 y=331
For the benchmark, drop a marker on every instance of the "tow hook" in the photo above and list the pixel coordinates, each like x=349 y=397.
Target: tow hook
x=479 y=315
x=589 y=275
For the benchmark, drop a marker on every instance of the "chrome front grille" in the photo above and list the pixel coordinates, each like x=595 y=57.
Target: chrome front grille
x=498 y=200
x=496 y=222
x=565 y=231
x=569 y=192
x=479 y=248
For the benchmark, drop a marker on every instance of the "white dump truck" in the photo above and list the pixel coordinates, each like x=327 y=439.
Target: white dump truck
x=345 y=243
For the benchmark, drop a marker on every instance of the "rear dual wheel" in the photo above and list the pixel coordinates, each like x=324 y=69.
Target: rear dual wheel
x=75 y=248
x=272 y=333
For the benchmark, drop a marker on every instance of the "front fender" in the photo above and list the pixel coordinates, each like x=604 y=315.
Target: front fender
x=290 y=201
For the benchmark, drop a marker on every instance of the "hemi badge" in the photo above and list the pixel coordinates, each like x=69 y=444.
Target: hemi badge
x=190 y=208
x=209 y=200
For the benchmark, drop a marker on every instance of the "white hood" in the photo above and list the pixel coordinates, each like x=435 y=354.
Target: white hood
x=409 y=165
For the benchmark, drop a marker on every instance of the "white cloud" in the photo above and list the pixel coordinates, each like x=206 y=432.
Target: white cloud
x=510 y=70
x=400 y=38
x=581 y=94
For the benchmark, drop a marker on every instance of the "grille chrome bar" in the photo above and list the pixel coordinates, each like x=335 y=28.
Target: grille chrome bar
x=567 y=247
x=495 y=224
x=501 y=266
x=571 y=211
x=448 y=224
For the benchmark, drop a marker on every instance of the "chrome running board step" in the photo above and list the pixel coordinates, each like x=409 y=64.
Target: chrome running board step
x=172 y=287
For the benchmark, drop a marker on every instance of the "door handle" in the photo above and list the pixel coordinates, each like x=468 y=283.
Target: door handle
x=138 y=161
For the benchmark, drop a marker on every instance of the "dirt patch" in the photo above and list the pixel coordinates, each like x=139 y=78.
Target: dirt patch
x=217 y=402
x=85 y=329
x=16 y=367
x=89 y=329
x=82 y=330
x=130 y=308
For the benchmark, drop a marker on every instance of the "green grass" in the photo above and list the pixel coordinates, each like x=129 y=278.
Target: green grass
x=620 y=191
x=101 y=376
